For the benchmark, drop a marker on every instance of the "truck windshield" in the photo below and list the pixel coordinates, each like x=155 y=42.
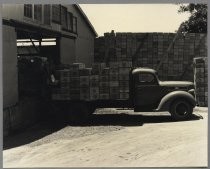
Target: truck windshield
x=147 y=78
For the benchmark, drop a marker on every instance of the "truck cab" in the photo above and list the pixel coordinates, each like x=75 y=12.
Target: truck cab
x=148 y=93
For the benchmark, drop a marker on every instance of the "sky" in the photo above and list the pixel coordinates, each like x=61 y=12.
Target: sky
x=134 y=17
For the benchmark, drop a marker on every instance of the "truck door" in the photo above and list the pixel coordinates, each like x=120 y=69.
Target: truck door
x=147 y=91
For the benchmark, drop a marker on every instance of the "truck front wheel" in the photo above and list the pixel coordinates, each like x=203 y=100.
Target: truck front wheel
x=181 y=110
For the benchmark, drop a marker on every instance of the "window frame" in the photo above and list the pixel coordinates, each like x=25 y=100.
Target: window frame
x=53 y=18
x=74 y=18
x=45 y=14
x=69 y=19
x=64 y=27
x=38 y=13
x=24 y=10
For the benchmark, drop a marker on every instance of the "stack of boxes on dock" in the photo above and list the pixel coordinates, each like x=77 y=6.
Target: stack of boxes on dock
x=149 y=49
x=97 y=83
x=116 y=53
x=114 y=81
x=69 y=83
x=63 y=92
x=201 y=80
x=84 y=85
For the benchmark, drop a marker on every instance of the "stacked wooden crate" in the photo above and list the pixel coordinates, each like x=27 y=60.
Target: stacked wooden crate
x=117 y=53
x=84 y=76
x=149 y=49
x=96 y=83
x=75 y=80
x=104 y=84
x=69 y=82
x=124 y=70
x=114 y=80
x=201 y=80
x=63 y=92
x=94 y=87
x=99 y=49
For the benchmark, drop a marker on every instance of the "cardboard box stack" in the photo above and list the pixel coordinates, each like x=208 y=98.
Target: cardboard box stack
x=201 y=80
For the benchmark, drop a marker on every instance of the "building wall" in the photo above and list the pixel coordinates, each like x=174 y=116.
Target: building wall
x=84 y=45
x=10 y=73
x=74 y=47
x=67 y=50
x=84 y=41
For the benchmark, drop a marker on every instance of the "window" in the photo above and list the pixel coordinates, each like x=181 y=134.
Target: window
x=56 y=13
x=147 y=78
x=74 y=24
x=64 y=17
x=28 y=10
x=38 y=12
x=70 y=21
x=47 y=14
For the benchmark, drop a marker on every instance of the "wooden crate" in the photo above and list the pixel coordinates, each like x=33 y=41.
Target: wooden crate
x=84 y=81
x=94 y=93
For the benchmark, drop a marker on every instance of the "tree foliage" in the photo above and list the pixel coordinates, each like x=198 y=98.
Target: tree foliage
x=197 y=22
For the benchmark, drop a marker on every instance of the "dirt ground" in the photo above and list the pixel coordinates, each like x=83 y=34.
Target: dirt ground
x=112 y=138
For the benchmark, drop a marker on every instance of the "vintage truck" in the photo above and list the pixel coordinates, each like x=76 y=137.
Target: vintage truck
x=147 y=93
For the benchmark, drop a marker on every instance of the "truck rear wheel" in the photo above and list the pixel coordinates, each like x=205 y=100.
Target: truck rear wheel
x=181 y=110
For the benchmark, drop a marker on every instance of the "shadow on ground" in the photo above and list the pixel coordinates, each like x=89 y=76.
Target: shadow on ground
x=55 y=123
x=124 y=119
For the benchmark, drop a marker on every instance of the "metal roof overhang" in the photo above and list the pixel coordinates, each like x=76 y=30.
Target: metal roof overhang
x=26 y=30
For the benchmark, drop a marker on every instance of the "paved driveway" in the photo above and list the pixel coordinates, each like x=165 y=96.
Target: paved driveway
x=113 y=138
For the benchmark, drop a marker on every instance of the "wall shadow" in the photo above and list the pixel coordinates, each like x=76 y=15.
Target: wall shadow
x=43 y=128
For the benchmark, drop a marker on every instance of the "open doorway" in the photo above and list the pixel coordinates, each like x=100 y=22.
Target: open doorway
x=36 y=59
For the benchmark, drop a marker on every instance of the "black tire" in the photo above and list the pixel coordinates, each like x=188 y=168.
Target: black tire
x=181 y=110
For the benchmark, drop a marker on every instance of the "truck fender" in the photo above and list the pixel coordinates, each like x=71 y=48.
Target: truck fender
x=166 y=101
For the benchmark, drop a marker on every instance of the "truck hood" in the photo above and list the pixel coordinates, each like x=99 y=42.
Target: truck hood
x=176 y=83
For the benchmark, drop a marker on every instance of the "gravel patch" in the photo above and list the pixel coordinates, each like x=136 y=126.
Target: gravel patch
x=70 y=132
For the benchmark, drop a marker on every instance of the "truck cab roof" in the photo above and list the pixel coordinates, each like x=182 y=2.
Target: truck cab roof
x=143 y=70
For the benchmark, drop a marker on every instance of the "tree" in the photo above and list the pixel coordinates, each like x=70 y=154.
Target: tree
x=197 y=22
